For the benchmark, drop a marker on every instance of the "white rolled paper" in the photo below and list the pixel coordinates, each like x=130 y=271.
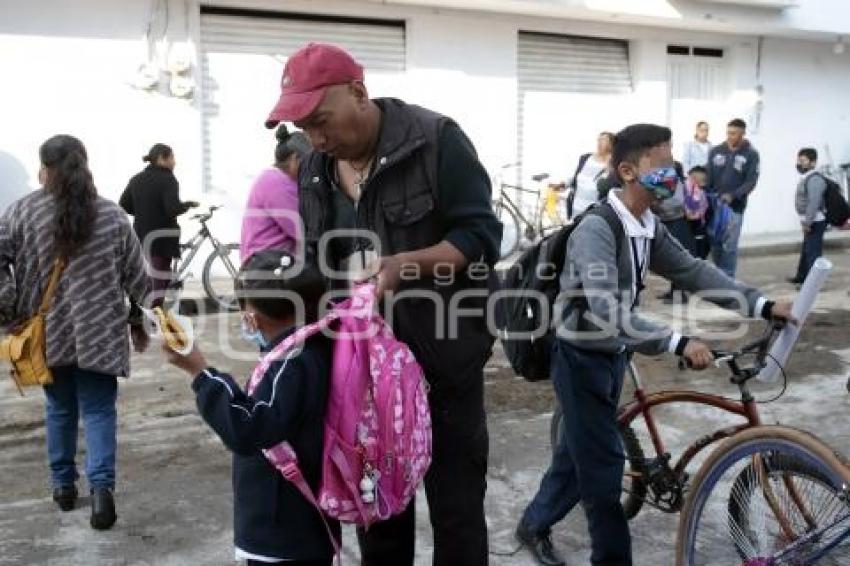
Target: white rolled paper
x=803 y=304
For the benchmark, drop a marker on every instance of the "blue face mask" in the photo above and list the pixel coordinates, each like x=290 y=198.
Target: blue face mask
x=661 y=182
x=254 y=336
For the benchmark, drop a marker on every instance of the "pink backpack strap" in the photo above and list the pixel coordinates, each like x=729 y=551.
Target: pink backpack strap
x=284 y=459
x=290 y=342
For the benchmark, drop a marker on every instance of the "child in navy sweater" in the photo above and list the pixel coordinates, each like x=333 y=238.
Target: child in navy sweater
x=273 y=522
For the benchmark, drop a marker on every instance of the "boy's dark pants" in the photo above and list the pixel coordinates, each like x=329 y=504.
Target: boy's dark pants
x=587 y=466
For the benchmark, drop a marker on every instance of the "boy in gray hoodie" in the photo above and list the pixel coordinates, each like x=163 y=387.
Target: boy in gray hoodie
x=810 y=206
x=599 y=328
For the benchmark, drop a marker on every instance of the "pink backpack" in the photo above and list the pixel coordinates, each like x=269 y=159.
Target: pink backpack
x=377 y=441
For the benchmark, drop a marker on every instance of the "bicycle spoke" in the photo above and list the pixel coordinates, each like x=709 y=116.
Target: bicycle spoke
x=773 y=508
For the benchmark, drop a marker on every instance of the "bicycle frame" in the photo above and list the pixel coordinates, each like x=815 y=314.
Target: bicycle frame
x=643 y=404
x=193 y=245
x=505 y=198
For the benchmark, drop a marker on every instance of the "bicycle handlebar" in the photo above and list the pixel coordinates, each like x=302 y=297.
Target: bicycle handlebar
x=741 y=375
x=206 y=215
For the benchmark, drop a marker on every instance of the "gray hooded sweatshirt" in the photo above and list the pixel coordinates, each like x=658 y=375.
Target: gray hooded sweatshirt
x=597 y=301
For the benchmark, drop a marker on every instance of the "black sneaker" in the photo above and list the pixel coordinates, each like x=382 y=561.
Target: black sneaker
x=102 y=509
x=540 y=546
x=65 y=497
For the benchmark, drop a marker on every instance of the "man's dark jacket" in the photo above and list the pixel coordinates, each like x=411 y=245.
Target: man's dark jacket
x=426 y=186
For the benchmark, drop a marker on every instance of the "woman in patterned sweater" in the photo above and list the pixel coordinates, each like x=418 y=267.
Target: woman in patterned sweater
x=87 y=338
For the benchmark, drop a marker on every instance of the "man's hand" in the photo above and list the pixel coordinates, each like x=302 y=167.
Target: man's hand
x=781 y=312
x=388 y=274
x=698 y=355
x=727 y=198
x=193 y=363
x=806 y=229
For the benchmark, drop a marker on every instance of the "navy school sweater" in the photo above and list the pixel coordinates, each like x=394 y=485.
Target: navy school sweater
x=270 y=516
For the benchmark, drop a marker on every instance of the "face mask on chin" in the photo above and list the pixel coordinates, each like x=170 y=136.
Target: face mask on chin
x=803 y=170
x=660 y=182
x=254 y=336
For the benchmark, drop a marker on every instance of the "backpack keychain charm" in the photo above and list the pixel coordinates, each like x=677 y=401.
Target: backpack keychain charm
x=367 y=486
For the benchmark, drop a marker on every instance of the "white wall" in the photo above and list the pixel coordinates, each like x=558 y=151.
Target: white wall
x=805 y=103
x=70 y=72
x=67 y=68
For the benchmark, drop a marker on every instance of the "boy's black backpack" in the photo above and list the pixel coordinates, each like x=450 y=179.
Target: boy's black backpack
x=837 y=210
x=532 y=285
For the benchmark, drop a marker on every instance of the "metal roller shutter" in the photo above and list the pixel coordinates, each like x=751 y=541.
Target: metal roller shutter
x=243 y=54
x=566 y=89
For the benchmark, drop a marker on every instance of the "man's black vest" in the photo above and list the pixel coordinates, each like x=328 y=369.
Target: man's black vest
x=400 y=205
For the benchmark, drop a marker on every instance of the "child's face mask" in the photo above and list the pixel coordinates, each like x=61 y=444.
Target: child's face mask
x=251 y=333
x=660 y=182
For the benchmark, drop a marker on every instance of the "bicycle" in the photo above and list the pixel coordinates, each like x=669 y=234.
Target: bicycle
x=656 y=481
x=517 y=224
x=771 y=495
x=220 y=260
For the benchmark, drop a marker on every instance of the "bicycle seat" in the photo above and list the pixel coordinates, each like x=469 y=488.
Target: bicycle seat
x=540 y=177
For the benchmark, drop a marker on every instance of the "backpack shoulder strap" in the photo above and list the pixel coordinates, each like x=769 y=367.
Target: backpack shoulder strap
x=582 y=160
x=290 y=342
x=607 y=212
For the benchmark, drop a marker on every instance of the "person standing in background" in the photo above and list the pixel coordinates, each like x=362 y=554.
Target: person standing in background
x=696 y=208
x=671 y=212
x=695 y=151
x=152 y=197
x=271 y=213
x=810 y=206
x=591 y=167
x=733 y=171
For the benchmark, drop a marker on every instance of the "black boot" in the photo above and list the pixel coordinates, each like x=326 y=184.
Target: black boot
x=102 y=509
x=540 y=546
x=65 y=497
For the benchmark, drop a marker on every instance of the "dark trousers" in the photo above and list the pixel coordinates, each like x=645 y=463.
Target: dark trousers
x=454 y=485
x=811 y=250
x=160 y=277
x=587 y=466
x=702 y=243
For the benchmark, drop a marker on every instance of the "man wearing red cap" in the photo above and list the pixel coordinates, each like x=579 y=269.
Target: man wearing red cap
x=411 y=179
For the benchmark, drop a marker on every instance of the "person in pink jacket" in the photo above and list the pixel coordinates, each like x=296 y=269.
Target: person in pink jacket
x=271 y=213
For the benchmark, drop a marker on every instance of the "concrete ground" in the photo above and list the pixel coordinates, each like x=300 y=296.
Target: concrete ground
x=174 y=499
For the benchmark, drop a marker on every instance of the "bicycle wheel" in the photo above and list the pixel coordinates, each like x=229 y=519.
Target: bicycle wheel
x=634 y=489
x=219 y=274
x=767 y=496
x=510 y=229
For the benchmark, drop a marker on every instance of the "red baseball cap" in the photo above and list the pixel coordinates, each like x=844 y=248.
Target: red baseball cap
x=307 y=75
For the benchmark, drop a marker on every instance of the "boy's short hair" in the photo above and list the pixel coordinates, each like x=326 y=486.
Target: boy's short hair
x=737 y=123
x=697 y=169
x=808 y=152
x=633 y=142
x=268 y=279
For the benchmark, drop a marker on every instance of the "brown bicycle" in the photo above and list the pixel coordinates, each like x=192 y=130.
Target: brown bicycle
x=656 y=480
